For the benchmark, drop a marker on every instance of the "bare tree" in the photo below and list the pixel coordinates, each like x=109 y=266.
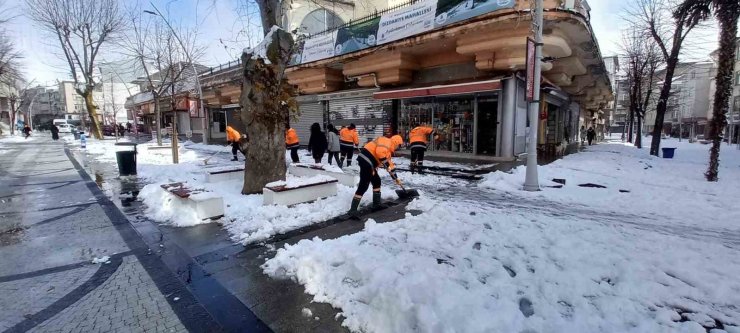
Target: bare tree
x=668 y=27
x=642 y=58
x=165 y=56
x=267 y=101
x=82 y=27
x=727 y=13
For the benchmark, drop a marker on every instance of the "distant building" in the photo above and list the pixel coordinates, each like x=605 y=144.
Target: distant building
x=73 y=104
x=41 y=105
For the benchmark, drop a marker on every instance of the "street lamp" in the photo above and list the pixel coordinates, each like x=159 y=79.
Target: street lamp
x=204 y=120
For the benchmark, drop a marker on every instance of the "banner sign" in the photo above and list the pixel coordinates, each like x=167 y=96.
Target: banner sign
x=407 y=21
x=417 y=18
x=193 y=107
x=530 y=62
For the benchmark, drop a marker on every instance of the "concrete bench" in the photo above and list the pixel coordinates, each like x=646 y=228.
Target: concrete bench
x=308 y=170
x=206 y=205
x=281 y=193
x=220 y=174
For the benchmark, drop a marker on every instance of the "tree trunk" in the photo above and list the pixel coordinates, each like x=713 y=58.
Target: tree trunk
x=631 y=122
x=158 y=123
x=267 y=102
x=12 y=116
x=638 y=137
x=727 y=15
x=92 y=112
x=662 y=105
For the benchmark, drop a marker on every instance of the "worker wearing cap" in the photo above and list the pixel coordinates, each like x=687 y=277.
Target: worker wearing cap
x=348 y=139
x=292 y=143
x=233 y=136
x=375 y=154
x=418 y=139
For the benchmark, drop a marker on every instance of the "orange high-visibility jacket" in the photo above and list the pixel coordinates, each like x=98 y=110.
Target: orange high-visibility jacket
x=291 y=139
x=232 y=135
x=419 y=136
x=348 y=137
x=381 y=150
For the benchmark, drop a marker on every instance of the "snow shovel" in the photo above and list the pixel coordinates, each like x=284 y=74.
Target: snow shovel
x=205 y=162
x=403 y=193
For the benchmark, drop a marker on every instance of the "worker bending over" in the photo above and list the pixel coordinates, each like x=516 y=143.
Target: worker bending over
x=418 y=139
x=375 y=154
x=348 y=139
x=232 y=137
x=292 y=143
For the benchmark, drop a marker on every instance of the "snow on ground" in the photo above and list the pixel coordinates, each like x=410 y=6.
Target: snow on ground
x=467 y=267
x=672 y=189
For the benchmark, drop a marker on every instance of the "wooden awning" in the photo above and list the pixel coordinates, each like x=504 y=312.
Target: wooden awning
x=452 y=89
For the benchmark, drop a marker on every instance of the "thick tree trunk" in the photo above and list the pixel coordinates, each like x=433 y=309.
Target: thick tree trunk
x=12 y=117
x=267 y=102
x=92 y=112
x=727 y=15
x=631 y=122
x=662 y=105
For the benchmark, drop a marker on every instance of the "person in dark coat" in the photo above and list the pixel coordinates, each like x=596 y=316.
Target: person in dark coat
x=54 y=132
x=27 y=131
x=317 y=143
x=590 y=135
x=121 y=130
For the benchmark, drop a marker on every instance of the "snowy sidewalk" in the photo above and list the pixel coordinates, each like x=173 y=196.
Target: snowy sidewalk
x=662 y=257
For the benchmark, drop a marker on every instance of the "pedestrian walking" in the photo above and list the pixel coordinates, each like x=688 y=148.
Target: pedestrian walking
x=54 y=132
x=583 y=134
x=333 y=143
x=590 y=135
x=232 y=137
x=128 y=127
x=374 y=154
x=317 y=144
x=348 y=139
x=121 y=129
x=27 y=131
x=418 y=139
x=292 y=143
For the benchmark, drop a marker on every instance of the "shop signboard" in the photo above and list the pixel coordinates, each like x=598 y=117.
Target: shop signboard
x=530 y=69
x=407 y=21
x=319 y=47
x=193 y=108
x=414 y=19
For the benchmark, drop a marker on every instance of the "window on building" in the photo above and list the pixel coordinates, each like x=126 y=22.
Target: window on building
x=320 y=20
x=737 y=78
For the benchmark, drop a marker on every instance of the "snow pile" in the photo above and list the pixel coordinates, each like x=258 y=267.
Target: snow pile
x=458 y=268
x=101 y=260
x=260 y=51
x=162 y=206
x=666 y=188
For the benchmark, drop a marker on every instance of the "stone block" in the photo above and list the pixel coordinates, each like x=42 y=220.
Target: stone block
x=294 y=195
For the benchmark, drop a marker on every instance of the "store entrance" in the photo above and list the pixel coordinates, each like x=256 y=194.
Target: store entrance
x=487 y=127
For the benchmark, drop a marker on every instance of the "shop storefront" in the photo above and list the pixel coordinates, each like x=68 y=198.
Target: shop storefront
x=226 y=115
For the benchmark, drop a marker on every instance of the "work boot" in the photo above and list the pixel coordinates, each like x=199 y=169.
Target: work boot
x=341 y=162
x=353 y=212
x=412 y=166
x=420 y=168
x=234 y=159
x=377 y=202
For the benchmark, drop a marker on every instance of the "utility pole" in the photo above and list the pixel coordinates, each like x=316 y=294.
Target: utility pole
x=531 y=182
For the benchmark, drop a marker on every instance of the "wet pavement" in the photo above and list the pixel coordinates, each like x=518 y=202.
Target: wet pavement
x=225 y=277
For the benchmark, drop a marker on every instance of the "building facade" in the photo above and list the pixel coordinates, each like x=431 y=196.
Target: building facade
x=458 y=66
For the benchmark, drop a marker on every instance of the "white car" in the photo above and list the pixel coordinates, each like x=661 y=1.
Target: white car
x=65 y=128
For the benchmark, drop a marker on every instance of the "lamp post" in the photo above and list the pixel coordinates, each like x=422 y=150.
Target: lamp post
x=204 y=120
x=531 y=182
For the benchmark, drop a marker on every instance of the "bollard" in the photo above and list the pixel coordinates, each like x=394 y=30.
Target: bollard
x=83 y=140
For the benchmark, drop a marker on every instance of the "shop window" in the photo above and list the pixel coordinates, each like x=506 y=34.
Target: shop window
x=452 y=119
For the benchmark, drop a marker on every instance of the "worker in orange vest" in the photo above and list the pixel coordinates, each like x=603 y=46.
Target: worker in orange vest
x=292 y=143
x=375 y=154
x=348 y=139
x=233 y=136
x=418 y=139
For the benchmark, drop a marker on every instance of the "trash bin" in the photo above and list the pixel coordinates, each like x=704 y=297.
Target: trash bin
x=126 y=159
x=76 y=134
x=668 y=152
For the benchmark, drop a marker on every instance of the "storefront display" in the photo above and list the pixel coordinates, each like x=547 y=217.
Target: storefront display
x=451 y=117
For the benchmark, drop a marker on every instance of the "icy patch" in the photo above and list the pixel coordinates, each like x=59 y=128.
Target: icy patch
x=101 y=260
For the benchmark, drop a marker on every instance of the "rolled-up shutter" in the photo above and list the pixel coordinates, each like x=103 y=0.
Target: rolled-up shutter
x=369 y=115
x=310 y=112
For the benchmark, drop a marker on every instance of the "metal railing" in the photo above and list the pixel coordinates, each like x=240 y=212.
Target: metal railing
x=222 y=67
x=362 y=20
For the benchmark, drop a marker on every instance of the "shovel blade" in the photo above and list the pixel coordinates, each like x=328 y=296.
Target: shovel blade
x=410 y=193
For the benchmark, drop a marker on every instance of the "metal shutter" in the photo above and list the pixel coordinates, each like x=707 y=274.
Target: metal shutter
x=372 y=117
x=311 y=112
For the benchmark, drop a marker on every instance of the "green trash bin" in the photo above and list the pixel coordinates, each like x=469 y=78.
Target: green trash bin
x=126 y=159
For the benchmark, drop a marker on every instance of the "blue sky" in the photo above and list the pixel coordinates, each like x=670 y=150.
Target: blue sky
x=219 y=23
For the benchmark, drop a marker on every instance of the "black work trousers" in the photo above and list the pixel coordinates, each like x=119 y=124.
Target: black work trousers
x=234 y=148
x=294 y=155
x=417 y=154
x=347 y=153
x=368 y=175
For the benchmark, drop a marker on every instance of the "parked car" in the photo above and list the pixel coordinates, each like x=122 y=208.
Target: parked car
x=65 y=128
x=109 y=130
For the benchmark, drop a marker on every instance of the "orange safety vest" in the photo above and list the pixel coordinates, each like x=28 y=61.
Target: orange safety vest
x=291 y=139
x=232 y=135
x=381 y=150
x=419 y=137
x=348 y=137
